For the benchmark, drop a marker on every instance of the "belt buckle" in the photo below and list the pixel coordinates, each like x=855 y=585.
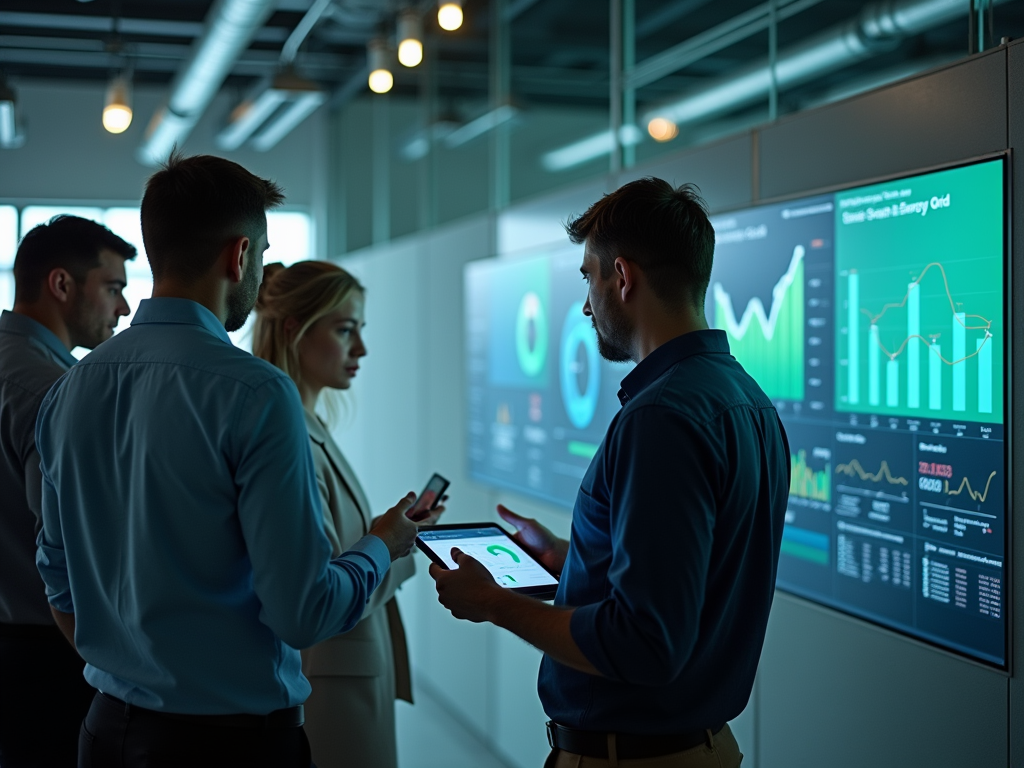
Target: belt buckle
x=551 y=734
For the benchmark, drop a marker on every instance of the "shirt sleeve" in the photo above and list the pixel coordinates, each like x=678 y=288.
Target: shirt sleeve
x=662 y=518
x=34 y=486
x=50 y=558
x=306 y=597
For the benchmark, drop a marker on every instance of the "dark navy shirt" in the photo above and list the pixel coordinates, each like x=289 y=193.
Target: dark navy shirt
x=674 y=548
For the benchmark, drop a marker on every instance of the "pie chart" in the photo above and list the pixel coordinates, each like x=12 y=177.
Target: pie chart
x=531 y=335
x=580 y=365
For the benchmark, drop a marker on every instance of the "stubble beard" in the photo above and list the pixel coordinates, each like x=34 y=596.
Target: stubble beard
x=615 y=336
x=242 y=299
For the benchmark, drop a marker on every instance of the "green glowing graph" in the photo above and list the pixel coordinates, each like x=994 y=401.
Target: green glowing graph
x=496 y=549
x=808 y=483
x=919 y=296
x=770 y=346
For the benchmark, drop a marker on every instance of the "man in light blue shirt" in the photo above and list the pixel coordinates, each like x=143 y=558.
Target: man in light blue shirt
x=182 y=546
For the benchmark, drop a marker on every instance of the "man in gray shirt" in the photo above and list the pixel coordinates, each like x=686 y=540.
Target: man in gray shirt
x=69 y=275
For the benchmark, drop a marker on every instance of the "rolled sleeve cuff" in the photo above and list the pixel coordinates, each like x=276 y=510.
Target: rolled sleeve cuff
x=583 y=626
x=375 y=550
x=53 y=568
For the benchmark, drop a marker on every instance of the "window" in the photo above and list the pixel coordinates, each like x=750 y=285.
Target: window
x=8 y=247
x=290 y=234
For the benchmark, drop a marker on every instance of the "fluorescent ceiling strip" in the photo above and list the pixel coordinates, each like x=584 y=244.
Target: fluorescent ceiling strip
x=590 y=148
x=287 y=120
x=481 y=125
x=235 y=133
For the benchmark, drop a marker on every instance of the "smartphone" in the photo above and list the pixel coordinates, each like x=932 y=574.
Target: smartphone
x=429 y=498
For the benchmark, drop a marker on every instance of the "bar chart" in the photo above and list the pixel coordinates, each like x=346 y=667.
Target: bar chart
x=811 y=478
x=949 y=356
x=920 y=301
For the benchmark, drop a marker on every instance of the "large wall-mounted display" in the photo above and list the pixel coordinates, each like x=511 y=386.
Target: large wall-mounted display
x=540 y=396
x=874 y=317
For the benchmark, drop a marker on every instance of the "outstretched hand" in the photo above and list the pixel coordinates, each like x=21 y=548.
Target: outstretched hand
x=469 y=592
x=537 y=540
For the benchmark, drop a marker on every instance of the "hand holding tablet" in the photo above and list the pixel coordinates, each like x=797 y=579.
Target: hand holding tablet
x=511 y=566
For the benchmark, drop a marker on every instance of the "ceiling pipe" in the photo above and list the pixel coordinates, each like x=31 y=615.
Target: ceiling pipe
x=230 y=28
x=305 y=26
x=879 y=27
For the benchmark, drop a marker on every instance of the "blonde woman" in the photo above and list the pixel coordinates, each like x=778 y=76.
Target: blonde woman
x=309 y=323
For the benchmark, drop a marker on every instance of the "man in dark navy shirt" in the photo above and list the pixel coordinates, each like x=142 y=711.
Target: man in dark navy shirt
x=666 y=583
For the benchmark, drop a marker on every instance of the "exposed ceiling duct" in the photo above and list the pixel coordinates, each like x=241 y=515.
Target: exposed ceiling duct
x=230 y=28
x=273 y=108
x=879 y=27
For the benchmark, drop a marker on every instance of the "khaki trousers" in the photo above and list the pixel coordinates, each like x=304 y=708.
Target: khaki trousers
x=720 y=751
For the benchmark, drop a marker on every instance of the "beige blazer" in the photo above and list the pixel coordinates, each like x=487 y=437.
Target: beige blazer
x=376 y=646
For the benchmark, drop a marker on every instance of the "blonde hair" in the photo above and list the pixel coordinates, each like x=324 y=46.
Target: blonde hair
x=305 y=291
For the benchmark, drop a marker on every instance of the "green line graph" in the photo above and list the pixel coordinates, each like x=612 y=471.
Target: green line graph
x=770 y=346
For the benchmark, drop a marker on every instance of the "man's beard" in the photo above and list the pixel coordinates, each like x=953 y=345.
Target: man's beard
x=87 y=329
x=242 y=298
x=616 y=336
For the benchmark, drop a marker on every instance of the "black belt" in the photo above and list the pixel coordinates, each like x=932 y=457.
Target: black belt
x=289 y=717
x=628 y=746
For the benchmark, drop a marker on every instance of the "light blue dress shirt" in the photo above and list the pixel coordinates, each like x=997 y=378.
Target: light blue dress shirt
x=182 y=522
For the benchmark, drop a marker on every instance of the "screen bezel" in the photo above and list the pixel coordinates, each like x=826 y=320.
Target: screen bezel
x=540 y=592
x=1005 y=156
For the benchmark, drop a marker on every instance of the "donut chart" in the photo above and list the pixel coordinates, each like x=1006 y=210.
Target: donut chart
x=531 y=335
x=577 y=332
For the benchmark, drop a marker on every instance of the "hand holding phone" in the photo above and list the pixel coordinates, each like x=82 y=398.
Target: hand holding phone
x=432 y=495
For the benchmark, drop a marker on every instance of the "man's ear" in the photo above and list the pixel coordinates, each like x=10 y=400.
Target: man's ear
x=626 y=275
x=61 y=285
x=237 y=252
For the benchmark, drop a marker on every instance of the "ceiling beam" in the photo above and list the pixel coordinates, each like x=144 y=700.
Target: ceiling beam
x=105 y=24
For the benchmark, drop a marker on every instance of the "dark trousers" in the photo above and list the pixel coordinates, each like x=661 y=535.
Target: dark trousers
x=118 y=735
x=43 y=698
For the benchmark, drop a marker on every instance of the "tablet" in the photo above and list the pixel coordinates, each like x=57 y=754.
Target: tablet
x=508 y=562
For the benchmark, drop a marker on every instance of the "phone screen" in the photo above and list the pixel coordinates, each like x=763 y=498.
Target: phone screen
x=429 y=498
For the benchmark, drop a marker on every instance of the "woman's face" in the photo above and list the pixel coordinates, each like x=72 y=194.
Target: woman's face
x=329 y=352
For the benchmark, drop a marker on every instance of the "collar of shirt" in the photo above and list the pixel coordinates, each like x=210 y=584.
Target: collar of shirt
x=650 y=369
x=183 y=311
x=13 y=322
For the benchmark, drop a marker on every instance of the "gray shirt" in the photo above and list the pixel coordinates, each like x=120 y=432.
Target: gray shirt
x=31 y=359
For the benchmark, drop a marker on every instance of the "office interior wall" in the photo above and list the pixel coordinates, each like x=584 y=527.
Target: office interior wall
x=831 y=690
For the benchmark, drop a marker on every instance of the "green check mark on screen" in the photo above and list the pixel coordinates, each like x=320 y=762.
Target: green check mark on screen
x=495 y=549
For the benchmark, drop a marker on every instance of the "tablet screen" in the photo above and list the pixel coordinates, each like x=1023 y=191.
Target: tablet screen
x=509 y=563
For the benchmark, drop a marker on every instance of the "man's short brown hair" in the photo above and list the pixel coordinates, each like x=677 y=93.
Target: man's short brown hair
x=64 y=242
x=193 y=206
x=662 y=229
